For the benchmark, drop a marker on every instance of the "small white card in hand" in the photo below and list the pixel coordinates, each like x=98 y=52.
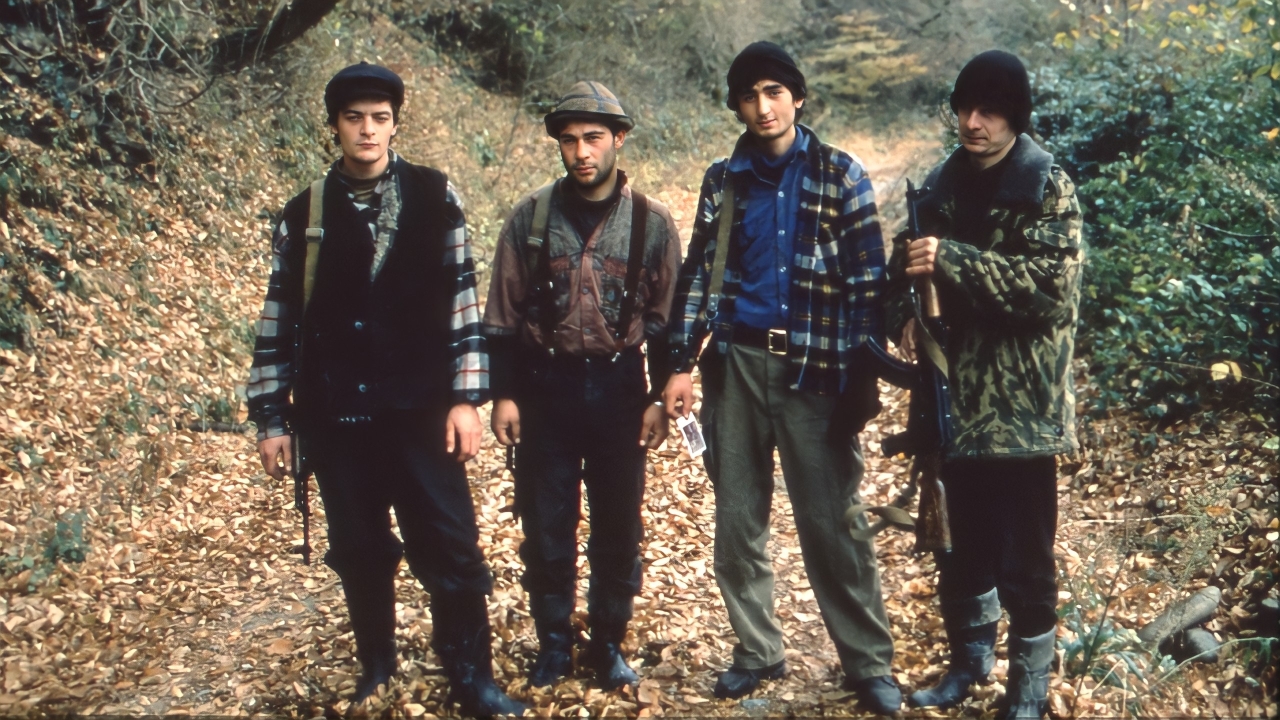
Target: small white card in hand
x=692 y=435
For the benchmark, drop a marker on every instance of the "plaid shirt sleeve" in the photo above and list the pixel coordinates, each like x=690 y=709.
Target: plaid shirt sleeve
x=271 y=376
x=467 y=343
x=687 y=333
x=863 y=245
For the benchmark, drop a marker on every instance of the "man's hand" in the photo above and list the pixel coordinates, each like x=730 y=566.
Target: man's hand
x=505 y=422
x=908 y=343
x=462 y=432
x=655 y=427
x=678 y=395
x=277 y=456
x=921 y=255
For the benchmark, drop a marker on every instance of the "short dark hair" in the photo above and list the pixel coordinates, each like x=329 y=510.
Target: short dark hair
x=998 y=81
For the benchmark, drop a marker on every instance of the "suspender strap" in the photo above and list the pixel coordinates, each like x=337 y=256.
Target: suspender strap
x=635 y=262
x=315 y=234
x=728 y=206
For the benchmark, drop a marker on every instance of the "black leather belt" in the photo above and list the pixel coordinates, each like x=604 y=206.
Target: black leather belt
x=775 y=340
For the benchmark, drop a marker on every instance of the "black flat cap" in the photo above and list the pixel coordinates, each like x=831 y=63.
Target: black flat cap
x=363 y=80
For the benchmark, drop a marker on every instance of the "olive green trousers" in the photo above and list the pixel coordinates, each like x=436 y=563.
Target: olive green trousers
x=748 y=411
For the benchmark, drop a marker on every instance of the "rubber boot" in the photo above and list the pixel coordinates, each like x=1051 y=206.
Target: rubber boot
x=371 y=605
x=551 y=617
x=1026 y=695
x=462 y=640
x=609 y=617
x=971 y=632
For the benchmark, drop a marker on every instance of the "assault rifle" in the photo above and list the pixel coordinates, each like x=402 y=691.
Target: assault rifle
x=928 y=415
x=302 y=496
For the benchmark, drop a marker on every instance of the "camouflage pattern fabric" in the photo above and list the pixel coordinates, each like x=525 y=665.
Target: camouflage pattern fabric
x=1011 y=302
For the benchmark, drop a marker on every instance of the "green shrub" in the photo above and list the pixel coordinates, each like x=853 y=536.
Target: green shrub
x=1171 y=135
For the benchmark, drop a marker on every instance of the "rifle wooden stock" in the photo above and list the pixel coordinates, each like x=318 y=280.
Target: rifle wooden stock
x=928 y=298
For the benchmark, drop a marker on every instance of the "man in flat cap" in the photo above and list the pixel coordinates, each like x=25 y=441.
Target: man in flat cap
x=1004 y=248
x=583 y=277
x=784 y=271
x=371 y=323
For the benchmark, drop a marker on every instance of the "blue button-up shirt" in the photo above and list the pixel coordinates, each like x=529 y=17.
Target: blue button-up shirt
x=772 y=189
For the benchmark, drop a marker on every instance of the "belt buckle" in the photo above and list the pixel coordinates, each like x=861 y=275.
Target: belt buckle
x=778 y=342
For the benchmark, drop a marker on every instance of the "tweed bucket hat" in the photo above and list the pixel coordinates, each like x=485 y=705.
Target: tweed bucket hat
x=588 y=100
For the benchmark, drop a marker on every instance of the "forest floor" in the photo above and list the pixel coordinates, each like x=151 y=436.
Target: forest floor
x=148 y=567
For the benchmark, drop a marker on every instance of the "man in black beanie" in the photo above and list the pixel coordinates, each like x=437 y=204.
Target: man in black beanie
x=1003 y=247
x=369 y=352
x=784 y=272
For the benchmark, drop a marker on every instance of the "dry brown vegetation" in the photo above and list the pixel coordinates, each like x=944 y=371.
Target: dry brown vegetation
x=147 y=566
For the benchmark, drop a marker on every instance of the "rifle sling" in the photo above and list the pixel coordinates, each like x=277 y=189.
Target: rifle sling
x=315 y=234
x=538 y=264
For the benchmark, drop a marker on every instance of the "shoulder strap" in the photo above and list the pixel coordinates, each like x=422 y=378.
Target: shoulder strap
x=538 y=231
x=635 y=261
x=728 y=206
x=315 y=234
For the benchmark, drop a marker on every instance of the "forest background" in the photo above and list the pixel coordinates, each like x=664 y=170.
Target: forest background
x=146 y=148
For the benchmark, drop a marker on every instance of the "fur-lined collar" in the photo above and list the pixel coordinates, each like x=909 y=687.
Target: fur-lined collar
x=1023 y=182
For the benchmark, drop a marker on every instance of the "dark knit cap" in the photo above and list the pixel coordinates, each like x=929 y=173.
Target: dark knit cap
x=763 y=61
x=998 y=81
x=360 y=81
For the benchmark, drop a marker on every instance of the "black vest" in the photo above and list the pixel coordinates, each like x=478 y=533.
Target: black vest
x=368 y=346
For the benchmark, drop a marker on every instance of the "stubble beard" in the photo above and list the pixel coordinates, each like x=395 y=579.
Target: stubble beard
x=602 y=175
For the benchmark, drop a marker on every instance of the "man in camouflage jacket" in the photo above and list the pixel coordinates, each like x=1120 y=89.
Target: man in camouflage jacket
x=1003 y=248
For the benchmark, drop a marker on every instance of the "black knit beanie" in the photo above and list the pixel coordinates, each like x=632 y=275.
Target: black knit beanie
x=760 y=61
x=998 y=81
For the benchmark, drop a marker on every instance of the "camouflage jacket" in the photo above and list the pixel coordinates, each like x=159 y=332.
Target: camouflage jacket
x=1010 y=302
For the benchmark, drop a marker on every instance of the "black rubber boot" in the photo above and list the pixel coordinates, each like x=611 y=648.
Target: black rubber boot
x=551 y=617
x=609 y=617
x=1026 y=695
x=462 y=637
x=373 y=622
x=971 y=632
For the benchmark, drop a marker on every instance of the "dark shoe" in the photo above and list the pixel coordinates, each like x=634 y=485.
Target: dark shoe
x=462 y=642
x=375 y=671
x=551 y=615
x=971 y=632
x=736 y=682
x=554 y=662
x=371 y=605
x=879 y=694
x=1026 y=695
x=612 y=670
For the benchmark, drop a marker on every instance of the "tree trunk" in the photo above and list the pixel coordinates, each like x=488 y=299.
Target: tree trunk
x=290 y=21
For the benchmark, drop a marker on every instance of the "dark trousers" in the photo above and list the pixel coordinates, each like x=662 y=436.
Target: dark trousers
x=580 y=423
x=1003 y=514
x=397 y=461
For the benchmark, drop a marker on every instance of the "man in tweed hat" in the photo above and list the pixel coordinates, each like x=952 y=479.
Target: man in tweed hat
x=583 y=277
x=370 y=350
x=787 y=290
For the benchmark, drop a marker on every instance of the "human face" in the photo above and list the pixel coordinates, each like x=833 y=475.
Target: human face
x=590 y=153
x=768 y=109
x=364 y=129
x=985 y=134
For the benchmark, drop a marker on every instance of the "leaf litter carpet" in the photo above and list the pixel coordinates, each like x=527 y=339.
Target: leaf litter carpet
x=200 y=607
